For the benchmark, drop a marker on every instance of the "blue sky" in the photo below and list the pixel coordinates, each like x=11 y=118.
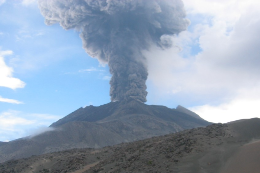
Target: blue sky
x=45 y=74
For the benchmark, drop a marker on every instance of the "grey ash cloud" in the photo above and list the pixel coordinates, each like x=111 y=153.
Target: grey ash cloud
x=116 y=31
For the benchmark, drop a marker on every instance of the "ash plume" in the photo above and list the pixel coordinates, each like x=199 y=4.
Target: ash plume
x=116 y=31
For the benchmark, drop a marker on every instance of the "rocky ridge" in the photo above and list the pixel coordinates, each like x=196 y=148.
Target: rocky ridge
x=197 y=150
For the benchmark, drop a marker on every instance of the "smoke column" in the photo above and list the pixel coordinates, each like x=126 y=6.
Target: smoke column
x=116 y=31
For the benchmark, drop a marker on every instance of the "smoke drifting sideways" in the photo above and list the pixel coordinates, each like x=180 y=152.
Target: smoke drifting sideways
x=116 y=31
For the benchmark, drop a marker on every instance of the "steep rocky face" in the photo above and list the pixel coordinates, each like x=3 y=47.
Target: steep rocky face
x=217 y=148
x=106 y=125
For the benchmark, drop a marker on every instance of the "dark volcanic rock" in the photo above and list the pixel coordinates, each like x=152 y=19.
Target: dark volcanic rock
x=131 y=107
x=106 y=125
x=213 y=149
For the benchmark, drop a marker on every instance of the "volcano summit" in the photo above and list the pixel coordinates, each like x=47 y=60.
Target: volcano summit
x=105 y=125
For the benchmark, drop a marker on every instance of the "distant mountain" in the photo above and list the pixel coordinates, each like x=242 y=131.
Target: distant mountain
x=106 y=125
x=218 y=148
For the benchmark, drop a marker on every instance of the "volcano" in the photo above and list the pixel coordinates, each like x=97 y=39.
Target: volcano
x=106 y=125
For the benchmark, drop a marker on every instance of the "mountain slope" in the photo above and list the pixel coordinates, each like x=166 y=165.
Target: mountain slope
x=218 y=148
x=106 y=125
x=2 y=143
x=127 y=107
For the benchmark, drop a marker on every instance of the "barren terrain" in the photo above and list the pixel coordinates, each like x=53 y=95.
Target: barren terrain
x=218 y=148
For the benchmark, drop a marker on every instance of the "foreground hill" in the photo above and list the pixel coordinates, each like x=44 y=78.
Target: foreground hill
x=218 y=148
x=106 y=125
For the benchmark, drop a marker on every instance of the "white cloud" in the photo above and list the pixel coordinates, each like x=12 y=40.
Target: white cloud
x=10 y=119
x=16 y=124
x=6 y=74
x=227 y=10
x=91 y=69
x=10 y=100
x=239 y=108
x=10 y=125
x=244 y=106
x=2 y=2
x=88 y=70
x=226 y=33
x=229 y=58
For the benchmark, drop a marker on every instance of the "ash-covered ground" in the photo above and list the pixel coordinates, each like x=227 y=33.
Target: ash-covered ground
x=217 y=148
